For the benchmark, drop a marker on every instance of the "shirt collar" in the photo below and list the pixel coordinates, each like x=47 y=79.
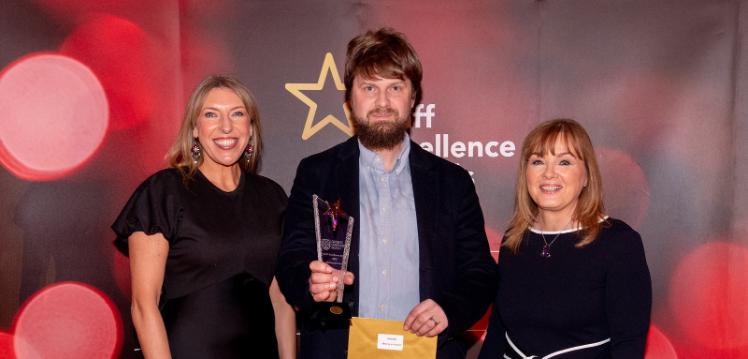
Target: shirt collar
x=568 y=230
x=370 y=158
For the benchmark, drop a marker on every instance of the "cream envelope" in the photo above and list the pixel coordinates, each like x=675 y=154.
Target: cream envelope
x=377 y=338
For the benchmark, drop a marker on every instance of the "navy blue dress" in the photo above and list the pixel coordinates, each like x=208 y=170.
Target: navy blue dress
x=578 y=296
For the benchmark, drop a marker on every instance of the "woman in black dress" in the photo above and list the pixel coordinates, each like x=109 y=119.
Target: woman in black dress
x=203 y=236
x=574 y=282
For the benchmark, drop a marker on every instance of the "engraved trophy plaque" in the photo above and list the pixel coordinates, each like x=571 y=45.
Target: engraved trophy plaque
x=333 y=230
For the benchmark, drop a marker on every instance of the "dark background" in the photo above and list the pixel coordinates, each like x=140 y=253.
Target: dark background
x=91 y=95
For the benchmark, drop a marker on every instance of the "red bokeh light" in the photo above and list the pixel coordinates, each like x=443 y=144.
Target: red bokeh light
x=126 y=61
x=68 y=320
x=6 y=346
x=54 y=116
x=709 y=295
x=659 y=346
x=202 y=54
x=626 y=189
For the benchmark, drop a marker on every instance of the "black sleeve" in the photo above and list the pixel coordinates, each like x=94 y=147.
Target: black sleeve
x=477 y=273
x=298 y=247
x=152 y=209
x=628 y=297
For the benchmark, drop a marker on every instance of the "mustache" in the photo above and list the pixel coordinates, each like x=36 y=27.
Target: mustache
x=382 y=111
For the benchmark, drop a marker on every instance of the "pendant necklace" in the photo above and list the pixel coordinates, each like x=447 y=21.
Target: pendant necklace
x=546 y=251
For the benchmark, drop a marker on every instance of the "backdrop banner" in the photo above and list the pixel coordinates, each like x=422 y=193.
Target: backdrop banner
x=91 y=97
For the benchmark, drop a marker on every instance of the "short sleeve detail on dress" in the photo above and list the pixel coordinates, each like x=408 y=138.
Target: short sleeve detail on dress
x=152 y=209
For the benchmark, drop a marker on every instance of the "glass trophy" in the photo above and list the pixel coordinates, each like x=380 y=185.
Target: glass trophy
x=333 y=230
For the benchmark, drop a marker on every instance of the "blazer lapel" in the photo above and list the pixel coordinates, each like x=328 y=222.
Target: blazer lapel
x=426 y=196
x=346 y=188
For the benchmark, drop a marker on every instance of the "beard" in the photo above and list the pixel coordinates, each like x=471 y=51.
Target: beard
x=381 y=135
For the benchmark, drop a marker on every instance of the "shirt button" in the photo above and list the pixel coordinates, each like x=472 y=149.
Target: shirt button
x=381 y=307
x=384 y=241
x=384 y=272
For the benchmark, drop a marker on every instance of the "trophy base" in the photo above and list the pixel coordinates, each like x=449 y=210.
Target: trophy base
x=329 y=316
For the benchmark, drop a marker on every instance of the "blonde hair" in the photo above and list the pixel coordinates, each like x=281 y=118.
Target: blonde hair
x=589 y=209
x=180 y=154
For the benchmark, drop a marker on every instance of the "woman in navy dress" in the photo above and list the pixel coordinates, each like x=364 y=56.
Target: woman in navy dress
x=574 y=282
x=203 y=236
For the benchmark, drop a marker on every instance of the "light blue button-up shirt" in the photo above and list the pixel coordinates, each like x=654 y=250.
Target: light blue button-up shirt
x=388 y=248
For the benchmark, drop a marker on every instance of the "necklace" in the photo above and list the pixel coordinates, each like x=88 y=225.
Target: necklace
x=546 y=251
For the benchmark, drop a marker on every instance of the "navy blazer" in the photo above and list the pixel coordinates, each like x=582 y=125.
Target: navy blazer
x=456 y=268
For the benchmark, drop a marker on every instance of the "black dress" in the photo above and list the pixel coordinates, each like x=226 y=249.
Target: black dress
x=578 y=296
x=222 y=252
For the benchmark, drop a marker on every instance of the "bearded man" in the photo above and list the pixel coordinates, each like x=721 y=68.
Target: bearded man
x=419 y=252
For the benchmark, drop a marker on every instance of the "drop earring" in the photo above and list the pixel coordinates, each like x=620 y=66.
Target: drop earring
x=248 y=151
x=196 y=151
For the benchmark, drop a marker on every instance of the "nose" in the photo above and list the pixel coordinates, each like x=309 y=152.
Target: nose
x=549 y=171
x=382 y=100
x=226 y=124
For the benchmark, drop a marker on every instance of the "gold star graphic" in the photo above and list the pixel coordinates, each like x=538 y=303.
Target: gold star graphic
x=310 y=128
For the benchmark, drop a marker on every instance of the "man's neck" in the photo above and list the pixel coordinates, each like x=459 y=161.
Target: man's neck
x=389 y=156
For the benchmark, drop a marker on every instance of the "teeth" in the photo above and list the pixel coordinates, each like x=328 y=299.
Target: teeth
x=550 y=188
x=226 y=142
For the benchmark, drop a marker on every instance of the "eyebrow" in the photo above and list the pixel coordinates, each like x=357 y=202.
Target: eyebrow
x=231 y=109
x=373 y=80
x=557 y=155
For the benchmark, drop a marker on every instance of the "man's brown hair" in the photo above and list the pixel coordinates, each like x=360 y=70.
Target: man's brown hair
x=385 y=53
